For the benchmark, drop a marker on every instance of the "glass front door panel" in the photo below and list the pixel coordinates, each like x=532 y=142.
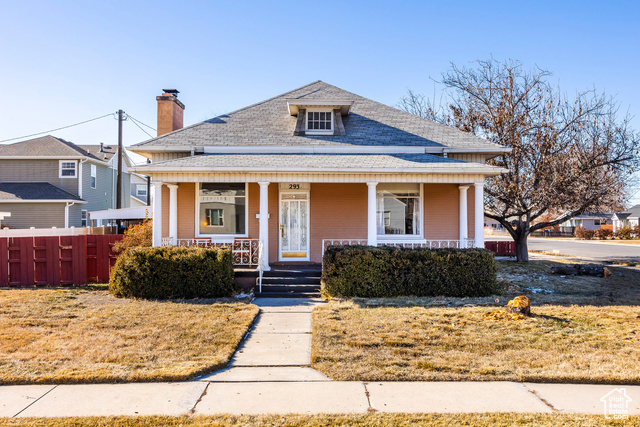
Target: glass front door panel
x=293 y=226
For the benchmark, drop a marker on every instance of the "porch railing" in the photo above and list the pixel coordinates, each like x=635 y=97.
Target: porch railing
x=246 y=252
x=429 y=244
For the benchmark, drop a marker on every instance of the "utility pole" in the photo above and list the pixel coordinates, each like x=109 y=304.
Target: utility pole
x=119 y=176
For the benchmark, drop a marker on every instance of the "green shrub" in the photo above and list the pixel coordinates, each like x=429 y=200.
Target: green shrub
x=366 y=271
x=582 y=233
x=173 y=272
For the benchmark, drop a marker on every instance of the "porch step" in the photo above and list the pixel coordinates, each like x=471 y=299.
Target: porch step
x=291 y=272
x=291 y=281
x=288 y=294
x=281 y=287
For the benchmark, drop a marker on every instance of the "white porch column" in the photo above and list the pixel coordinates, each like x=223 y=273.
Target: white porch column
x=372 y=231
x=463 y=215
x=173 y=213
x=264 y=224
x=157 y=213
x=479 y=222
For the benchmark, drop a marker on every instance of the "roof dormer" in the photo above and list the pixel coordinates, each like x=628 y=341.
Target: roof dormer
x=319 y=116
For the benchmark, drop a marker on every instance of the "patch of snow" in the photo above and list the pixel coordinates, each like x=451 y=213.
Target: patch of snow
x=538 y=290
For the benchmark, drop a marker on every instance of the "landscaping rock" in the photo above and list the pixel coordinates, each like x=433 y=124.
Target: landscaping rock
x=520 y=305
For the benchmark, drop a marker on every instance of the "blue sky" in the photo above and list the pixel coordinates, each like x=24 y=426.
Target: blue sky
x=67 y=61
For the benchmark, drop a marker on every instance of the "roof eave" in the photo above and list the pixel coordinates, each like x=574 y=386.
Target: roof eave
x=81 y=202
x=486 y=170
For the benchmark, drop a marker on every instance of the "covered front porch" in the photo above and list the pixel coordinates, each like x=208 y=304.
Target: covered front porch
x=284 y=221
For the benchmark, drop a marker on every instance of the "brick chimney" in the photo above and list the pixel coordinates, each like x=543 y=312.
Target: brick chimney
x=170 y=111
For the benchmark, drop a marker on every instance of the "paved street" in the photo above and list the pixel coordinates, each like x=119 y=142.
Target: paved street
x=599 y=251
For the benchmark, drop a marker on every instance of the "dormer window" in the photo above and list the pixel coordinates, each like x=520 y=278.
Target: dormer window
x=319 y=116
x=320 y=122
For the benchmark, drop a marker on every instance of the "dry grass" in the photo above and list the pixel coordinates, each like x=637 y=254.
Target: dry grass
x=558 y=344
x=534 y=279
x=84 y=335
x=369 y=420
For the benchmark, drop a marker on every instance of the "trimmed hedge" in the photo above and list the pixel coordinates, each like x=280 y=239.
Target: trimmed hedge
x=173 y=272
x=373 y=272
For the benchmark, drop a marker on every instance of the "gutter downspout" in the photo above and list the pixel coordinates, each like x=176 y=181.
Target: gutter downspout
x=66 y=213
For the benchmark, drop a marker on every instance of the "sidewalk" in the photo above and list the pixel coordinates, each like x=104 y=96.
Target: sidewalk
x=270 y=373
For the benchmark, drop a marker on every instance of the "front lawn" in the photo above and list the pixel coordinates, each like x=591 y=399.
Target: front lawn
x=88 y=336
x=558 y=344
x=369 y=420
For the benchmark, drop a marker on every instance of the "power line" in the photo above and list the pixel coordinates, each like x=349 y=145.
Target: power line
x=134 y=121
x=53 y=130
x=133 y=118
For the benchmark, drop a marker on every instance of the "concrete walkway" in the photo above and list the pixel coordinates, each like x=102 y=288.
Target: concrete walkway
x=271 y=373
x=278 y=347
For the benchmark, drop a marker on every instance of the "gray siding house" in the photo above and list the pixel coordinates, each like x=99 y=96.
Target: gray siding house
x=49 y=182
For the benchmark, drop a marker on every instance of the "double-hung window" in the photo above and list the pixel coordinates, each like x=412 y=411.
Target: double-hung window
x=398 y=208
x=319 y=122
x=83 y=218
x=68 y=169
x=215 y=217
x=94 y=174
x=222 y=208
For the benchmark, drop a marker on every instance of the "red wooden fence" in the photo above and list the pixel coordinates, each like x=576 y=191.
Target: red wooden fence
x=56 y=260
x=502 y=248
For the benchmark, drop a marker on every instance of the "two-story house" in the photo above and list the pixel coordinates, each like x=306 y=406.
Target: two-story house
x=49 y=182
x=313 y=167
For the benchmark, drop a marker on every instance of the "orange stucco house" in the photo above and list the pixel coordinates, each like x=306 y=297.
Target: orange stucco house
x=283 y=179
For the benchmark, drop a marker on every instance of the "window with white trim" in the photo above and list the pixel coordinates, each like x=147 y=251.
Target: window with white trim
x=222 y=208
x=84 y=217
x=141 y=190
x=319 y=122
x=68 y=169
x=398 y=208
x=215 y=217
x=94 y=174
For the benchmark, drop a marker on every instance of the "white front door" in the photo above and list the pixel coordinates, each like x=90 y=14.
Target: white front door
x=294 y=226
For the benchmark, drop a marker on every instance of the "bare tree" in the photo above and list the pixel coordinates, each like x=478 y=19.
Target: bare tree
x=568 y=156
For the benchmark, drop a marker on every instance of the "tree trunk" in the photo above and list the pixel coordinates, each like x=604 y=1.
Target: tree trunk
x=520 y=239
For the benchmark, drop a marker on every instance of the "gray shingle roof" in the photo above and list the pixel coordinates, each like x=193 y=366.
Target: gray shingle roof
x=34 y=191
x=594 y=215
x=45 y=146
x=94 y=150
x=269 y=123
x=344 y=162
x=633 y=212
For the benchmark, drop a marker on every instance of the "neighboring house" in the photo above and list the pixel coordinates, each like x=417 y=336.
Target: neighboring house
x=313 y=167
x=50 y=182
x=629 y=218
x=590 y=220
x=139 y=190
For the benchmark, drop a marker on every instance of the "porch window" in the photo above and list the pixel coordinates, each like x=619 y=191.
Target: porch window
x=398 y=209
x=222 y=208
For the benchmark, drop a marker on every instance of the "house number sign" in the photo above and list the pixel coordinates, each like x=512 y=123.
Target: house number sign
x=294 y=186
